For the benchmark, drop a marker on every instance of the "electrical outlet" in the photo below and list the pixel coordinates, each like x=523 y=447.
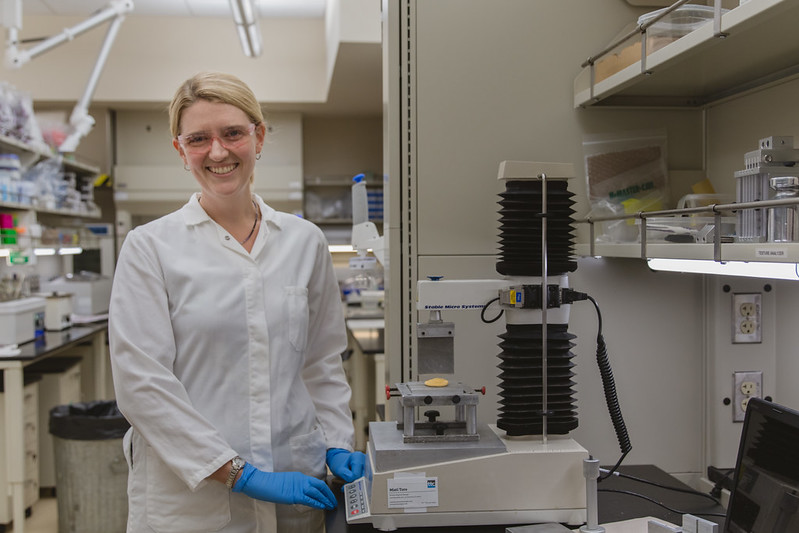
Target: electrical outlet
x=746 y=318
x=745 y=385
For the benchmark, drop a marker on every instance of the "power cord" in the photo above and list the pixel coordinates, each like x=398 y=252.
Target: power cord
x=667 y=487
x=483 y=312
x=661 y=504
x=608 y=382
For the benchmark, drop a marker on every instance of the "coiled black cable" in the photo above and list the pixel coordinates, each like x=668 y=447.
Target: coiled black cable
x=483 y=312
x=611 y=397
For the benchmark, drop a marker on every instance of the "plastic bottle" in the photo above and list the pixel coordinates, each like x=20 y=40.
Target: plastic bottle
x=360 y=202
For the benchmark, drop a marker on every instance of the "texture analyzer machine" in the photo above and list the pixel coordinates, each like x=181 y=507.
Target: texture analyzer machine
x=425 y=469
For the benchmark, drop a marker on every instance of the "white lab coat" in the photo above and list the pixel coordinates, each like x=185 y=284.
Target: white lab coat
x=217 y=352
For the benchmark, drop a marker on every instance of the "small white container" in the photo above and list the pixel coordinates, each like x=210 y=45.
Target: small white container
x=58 y=311
x=92 y=292
x=21 y=319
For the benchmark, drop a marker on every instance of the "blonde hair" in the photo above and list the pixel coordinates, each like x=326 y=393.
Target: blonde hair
x=213 y=87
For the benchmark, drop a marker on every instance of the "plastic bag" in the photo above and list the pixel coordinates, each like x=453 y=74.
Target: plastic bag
x=626 y=173
x=99 y=420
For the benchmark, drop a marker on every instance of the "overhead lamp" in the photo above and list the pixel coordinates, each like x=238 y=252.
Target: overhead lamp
x=767 y=270
x=80 y=120
x=247 y=26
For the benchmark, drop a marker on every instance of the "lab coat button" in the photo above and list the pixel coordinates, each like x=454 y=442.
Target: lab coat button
x=227 y=237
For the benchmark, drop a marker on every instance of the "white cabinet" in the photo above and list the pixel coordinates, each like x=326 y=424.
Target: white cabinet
x=31 y=425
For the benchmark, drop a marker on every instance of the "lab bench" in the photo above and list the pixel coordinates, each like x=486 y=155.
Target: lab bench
x=365 y=368
x=90 y=339
x=619 y=499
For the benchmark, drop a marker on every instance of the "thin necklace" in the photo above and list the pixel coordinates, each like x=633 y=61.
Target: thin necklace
x=255 y=223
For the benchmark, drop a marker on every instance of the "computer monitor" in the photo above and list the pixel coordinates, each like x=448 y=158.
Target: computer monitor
x=765 y=494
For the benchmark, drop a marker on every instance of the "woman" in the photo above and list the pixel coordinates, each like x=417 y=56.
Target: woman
x=226 y=332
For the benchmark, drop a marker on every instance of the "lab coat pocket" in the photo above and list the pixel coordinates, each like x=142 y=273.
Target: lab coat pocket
x=308 y=452
x=308 y=456
x=173 y=508
x=127 y=447
x=297 y=312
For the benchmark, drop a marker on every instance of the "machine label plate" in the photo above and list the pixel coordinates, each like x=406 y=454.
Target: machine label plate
x=412 y=492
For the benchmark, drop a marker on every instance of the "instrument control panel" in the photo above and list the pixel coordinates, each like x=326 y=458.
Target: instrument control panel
x=356 y=499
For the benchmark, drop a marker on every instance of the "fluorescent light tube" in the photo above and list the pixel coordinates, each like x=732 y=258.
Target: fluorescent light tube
x=340 y=248
x=728 y=268
x=247 y=27
x=70 y=250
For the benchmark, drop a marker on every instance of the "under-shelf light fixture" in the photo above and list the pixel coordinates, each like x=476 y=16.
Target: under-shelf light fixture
x=789 y=271
x=339 y=248
x=244 y=15
x=70 y=250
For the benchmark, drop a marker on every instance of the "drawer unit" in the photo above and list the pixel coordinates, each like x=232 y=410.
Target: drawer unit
x=31 y=425
x=60 y=385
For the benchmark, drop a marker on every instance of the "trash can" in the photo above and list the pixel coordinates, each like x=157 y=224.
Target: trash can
x=91 y=472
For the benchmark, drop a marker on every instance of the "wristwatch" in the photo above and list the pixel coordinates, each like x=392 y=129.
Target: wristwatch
x=237 y=463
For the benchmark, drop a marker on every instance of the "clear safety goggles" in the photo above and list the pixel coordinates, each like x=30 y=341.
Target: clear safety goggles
x=229 y=137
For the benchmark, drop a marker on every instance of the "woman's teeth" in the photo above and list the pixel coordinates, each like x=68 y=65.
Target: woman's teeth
x=222 y=170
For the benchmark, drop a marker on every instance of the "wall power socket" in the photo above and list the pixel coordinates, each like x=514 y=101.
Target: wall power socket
x=745 y=385
x=746 y=318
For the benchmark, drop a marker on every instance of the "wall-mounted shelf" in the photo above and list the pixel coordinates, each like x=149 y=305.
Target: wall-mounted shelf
x=754 y=46
x=14 y=206
x=719 y=250
x=749 y=252
x=33 y=213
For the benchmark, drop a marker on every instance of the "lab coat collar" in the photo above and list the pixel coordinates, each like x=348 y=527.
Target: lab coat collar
x=193 y=212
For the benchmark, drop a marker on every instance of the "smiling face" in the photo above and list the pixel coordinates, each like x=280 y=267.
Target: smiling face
x=224 y=169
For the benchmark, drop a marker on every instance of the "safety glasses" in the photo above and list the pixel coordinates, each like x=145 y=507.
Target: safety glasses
x=229 y=137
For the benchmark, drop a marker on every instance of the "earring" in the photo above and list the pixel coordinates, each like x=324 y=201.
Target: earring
x=186 y=168
x=258 y=156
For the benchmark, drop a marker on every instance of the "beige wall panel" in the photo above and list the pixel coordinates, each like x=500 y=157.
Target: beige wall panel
x=495 y=84
x=153 y=55
x=342 y=145
x=735 y=127
x=150 y=176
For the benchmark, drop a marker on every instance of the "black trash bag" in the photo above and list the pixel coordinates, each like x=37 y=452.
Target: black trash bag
x=99 y=420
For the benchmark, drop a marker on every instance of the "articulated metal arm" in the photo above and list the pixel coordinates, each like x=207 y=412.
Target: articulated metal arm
x=80 y=120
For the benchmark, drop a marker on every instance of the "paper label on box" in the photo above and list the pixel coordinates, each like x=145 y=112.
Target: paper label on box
x=412 y=492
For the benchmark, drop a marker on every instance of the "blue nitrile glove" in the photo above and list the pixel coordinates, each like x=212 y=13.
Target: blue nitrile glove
x=285 y=487
x=346 y=465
